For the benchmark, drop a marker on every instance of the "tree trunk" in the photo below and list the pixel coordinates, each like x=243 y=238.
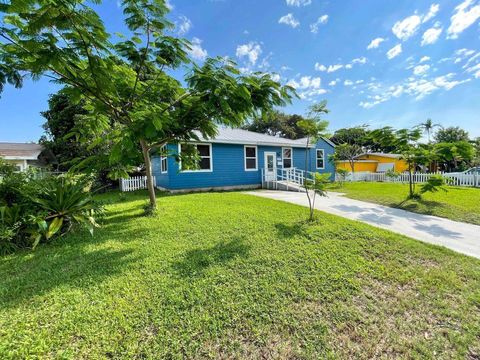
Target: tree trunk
x=307 y=153
x=148 y=171
x=410 y=180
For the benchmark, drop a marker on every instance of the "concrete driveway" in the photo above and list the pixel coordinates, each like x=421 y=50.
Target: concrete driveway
x=461 y=237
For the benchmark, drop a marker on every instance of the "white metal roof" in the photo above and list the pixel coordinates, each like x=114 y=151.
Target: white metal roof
x=20 y=151
x=240 y=136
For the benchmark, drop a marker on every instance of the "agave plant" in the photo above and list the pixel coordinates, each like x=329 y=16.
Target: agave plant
x=66 y=201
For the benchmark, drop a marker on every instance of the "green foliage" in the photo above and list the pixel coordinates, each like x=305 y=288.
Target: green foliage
x=314 y=127
x=124 y=84
x=319 y=183
x=434 y=184
x=455 y=155
x=347 y=152
x=342 y=175
x=276 y=123
x=232 y=276
x=357 y=135
x=36 y=210
x=428 y=127
x=459 y=204
x=390 y=173
x=451 y=135
x=66 y=201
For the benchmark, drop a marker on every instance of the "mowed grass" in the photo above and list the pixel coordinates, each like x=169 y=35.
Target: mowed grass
x=227 y=275
x=459 y=203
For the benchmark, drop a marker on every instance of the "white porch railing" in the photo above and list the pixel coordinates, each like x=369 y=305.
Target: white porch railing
x=452 y=179
x=287 y=177
x=134 y=183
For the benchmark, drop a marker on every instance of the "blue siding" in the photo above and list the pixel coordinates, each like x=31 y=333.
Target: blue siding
x=229 y=167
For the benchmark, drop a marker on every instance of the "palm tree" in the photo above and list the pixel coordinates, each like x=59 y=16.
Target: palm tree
x=427 y=127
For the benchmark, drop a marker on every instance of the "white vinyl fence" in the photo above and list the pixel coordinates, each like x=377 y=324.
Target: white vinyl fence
x=451 y=179
x=134 y=183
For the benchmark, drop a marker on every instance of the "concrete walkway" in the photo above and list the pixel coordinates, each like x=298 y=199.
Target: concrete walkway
x=461 y=237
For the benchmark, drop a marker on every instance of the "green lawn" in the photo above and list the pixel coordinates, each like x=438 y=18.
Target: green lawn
x=459 y=203
x=227 y=275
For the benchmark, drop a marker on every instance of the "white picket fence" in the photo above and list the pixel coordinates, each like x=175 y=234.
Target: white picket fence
x=451 y=179
x=134 y=183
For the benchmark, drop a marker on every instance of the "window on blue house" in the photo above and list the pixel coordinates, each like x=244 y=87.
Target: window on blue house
x=287 y=158
x=251 y=163
x=163 y=160
x=320 y=159
x=204 y=152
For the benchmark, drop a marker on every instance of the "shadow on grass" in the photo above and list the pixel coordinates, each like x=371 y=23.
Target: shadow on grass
x=427 y=207
x=299 y=228
x=196 y=262
x=46 y=269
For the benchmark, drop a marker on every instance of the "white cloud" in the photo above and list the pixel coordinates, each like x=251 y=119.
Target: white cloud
x=196 y=51
x=333 y=68
x=462 y=54
x=333 y=82
x=424 y=58
x=320 y=67
x=466 y=14
x=434 y=8
x=289 y=20
x=309 y=87
x=184 y=26
x=418 y=88
x=169 y=5
x=348 y=66
x=360 y=60
x=375 y=43
x=348 y=82
x=422 y=88
x=320 y=21
x=431 y=35
x=395 y=51
x=298 y=3
x=405 y=28
x=252 y=51
x=420 y=69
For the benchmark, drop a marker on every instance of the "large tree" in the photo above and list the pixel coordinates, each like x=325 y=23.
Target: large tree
x=451 y=134
x=428 y=127
x=357 y=135
x=277 y=123
x=60 y=120
x=125 y=82
x=454 y=155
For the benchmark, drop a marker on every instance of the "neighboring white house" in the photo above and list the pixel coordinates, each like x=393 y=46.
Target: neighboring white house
x=25 y=155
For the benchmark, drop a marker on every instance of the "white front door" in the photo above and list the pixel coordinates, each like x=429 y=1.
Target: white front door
x=270 y=166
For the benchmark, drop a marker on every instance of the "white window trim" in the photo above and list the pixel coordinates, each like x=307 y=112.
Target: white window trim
x=316 y=159
x=245 y=157
x=291 y=158
x=196 y=171
x=163 y=148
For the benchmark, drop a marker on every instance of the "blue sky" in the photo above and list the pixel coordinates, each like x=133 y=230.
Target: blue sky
x=377 y=62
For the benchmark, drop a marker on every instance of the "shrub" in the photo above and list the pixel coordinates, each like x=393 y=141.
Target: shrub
x=434 y=184
x=39 y=210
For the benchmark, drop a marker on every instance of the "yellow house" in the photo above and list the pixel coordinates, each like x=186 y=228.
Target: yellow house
x=375 y=162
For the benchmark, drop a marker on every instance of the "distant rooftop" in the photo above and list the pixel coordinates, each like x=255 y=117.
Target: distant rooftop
x=394 y=156
x=20 y=151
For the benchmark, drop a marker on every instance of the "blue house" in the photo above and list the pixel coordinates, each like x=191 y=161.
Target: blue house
x=239 y=159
